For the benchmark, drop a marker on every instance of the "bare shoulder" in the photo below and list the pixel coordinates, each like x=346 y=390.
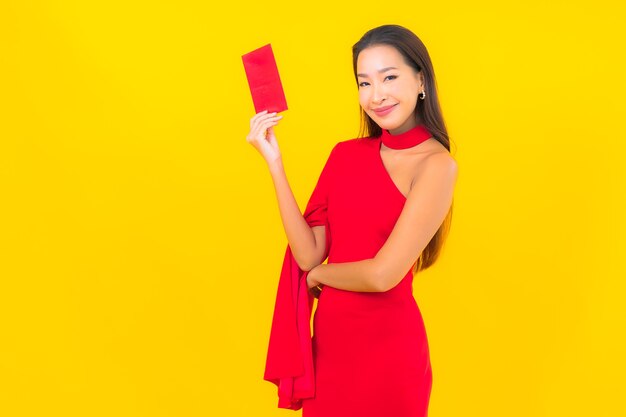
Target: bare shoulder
x=442 y=160
x=438 y=163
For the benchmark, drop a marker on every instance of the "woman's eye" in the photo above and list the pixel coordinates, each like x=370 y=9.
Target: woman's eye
x=393 y=77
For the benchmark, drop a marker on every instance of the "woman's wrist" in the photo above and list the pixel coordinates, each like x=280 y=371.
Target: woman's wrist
x=314 y=275
x=276 y=165
x=315 y=287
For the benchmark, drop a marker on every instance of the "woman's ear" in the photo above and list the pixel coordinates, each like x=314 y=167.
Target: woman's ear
x=420 y=78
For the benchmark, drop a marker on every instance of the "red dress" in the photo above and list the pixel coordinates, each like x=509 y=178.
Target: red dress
x=369 y=351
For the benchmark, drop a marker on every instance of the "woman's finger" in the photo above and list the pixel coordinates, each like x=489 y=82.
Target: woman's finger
x=263 y=125
x=262 y=114
x=269 y=116
x=257 y=116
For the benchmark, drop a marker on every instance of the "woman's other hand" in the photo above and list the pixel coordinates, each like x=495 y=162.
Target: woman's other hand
x=262 y=135
x=313 y=285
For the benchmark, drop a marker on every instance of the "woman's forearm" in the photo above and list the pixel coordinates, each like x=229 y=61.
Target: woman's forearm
x=299 y=233
x=351 y=276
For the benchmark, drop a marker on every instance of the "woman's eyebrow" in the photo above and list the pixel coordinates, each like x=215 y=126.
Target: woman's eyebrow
x=380 y=71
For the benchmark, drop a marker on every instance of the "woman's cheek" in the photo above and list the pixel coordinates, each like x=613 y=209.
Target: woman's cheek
x=399 y=90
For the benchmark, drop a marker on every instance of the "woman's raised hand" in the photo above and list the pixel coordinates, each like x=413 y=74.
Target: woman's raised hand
x=262 y=135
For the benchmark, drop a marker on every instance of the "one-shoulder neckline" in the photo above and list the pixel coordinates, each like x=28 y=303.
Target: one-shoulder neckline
x=377 y=145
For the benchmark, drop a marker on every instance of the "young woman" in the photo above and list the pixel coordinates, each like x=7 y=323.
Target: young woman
x=380 y=212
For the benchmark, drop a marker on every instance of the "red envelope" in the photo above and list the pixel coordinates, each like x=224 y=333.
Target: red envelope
x=264 y=81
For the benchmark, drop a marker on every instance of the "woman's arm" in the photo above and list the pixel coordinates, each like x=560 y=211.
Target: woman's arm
x=351 y=276
x=426 y=207
x=302 y=238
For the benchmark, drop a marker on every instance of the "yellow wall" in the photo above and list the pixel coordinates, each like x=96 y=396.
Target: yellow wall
x=140 y=240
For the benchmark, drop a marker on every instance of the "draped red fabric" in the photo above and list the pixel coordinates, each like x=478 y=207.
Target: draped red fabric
x=289 y=362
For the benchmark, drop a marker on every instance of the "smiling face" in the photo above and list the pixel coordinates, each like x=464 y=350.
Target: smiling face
x=386 y=80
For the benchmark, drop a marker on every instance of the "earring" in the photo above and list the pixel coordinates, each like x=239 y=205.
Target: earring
x=422 y=95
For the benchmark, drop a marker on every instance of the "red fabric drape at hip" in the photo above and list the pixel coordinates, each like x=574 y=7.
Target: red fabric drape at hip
x=289 y=362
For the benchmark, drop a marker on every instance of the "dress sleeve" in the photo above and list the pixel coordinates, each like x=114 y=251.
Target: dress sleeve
x=316 y=211
x=289 y=362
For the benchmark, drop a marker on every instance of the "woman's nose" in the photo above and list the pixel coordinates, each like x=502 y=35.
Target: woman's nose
x=378 y=93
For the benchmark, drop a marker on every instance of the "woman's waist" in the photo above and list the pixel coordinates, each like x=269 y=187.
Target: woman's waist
x=359 y=310
x=397 y=297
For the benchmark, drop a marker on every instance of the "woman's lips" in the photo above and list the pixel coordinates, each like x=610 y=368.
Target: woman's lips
x=385 y=110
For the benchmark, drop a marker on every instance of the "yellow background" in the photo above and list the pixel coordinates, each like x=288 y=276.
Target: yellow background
x=141 y=243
